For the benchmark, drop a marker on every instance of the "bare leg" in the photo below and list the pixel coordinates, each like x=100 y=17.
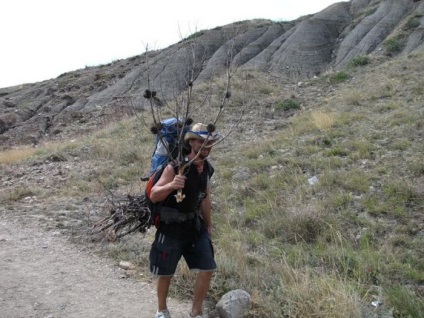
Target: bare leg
x=162 y=291
x=200 y=290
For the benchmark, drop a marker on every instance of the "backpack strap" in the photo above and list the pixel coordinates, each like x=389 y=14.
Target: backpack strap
x=209 y=172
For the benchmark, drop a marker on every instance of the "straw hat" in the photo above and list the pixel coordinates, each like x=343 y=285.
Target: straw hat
x=200 y=131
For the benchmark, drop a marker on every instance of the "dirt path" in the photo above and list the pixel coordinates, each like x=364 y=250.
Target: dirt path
x=42 y=275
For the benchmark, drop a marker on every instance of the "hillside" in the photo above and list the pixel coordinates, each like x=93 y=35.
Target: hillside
x=349 y=244
x=81 y=100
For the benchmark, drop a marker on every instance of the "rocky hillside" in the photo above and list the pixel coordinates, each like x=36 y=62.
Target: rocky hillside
x=80 y=101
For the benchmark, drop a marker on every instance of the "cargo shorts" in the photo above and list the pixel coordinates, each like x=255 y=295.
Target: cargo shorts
x=166 y=252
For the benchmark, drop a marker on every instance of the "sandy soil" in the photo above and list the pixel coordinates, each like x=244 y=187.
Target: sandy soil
x=43 y=275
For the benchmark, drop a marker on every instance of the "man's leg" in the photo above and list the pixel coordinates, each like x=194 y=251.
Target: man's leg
x=200 y=290
x=162 y=291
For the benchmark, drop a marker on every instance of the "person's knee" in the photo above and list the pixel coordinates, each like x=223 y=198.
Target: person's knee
x=164 y=279
x=205 y=274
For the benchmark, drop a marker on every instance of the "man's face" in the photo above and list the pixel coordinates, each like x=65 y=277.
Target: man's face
x=197 y=144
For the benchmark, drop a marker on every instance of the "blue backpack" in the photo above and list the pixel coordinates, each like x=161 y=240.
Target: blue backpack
x=169 y=134
x=171 y=131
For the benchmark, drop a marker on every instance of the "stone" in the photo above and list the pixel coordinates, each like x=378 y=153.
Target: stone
x=233 y=304
x=126 y=265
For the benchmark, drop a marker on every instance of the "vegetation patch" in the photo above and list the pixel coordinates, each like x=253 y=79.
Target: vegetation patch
x=360 y=61
x=394 y=45
x=13 y=156
x=412 y=23
x=287 y=104
x=339 y=77
x=19 y=193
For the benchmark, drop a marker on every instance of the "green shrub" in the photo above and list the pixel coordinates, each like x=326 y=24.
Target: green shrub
x=287 y=104
x=392 y=45
x=360 y=61
x=412 y=23
x=339 y=77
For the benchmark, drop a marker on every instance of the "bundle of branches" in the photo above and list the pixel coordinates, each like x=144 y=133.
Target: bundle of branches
x=183 y=108
x=133 y=214
x=126 y=215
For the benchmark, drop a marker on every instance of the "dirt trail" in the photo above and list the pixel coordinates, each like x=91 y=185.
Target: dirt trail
x=43 y=275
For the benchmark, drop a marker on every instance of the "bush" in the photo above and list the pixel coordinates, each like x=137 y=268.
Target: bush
x=392 y=45
x=288 y=104
x=360 y=61
x=412 y=23
x=339 y=77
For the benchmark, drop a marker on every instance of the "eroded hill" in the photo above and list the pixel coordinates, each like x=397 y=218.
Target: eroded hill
x=82 y=100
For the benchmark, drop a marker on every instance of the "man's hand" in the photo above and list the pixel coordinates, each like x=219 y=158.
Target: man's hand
x=167 y=183
x=178 y=182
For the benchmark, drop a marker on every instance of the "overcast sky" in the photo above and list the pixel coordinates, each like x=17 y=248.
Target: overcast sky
x=41 y=39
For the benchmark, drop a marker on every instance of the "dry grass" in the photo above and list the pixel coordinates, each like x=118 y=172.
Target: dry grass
x=12 y=156
x=323 y=120
x=25 y=153
x=311 y=294
x=328 y=236
x=300 y=250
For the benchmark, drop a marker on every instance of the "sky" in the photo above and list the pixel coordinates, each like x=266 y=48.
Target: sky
x=41 y=39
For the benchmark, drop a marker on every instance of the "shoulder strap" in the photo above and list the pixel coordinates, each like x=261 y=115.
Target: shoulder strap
x=209 y=170
x=153 y=179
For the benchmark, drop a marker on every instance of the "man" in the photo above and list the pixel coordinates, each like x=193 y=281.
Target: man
x=185 y=227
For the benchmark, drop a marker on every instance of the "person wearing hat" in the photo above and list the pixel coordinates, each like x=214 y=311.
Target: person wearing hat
x=185 y=227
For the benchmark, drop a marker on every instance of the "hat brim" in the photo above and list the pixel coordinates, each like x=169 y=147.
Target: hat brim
x=201 y=136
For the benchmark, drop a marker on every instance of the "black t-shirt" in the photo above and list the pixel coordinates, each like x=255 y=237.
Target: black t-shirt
x=194 y=186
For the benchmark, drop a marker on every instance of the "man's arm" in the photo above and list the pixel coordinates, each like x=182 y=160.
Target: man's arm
x=167 y=183
x=206 y=207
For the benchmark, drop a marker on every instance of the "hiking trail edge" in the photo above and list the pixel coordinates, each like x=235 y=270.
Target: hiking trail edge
x=43 y=275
